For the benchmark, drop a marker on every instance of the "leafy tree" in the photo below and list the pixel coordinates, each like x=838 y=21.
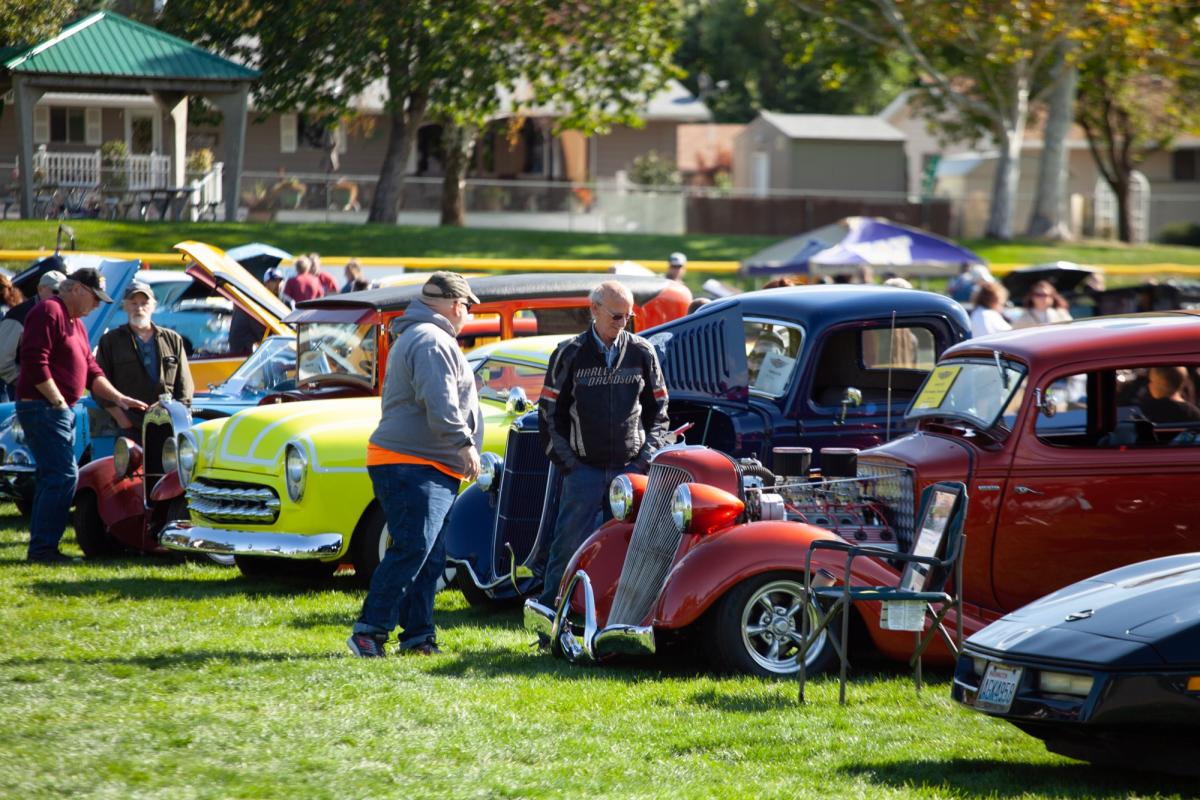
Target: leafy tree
x=744 y=57
x=440 y=61
x=26 y=22
x=1139 y=86
x=986 y=61
x=651 y=169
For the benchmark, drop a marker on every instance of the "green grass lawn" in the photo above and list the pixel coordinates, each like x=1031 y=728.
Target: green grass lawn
x=148 y=677
x=394 y=240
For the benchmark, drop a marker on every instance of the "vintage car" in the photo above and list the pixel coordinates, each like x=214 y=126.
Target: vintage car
x=818 y=366
x=1072 y=464
x=1105 y=670
x=259 y=483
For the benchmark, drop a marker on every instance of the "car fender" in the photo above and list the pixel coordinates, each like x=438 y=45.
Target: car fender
x=715 y=565
x=118 y=500
x=601 y=556
x=167 y=489
x=469 y=530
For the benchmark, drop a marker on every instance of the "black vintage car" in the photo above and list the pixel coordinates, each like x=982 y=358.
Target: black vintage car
x=814 y=366
x=1106 y=670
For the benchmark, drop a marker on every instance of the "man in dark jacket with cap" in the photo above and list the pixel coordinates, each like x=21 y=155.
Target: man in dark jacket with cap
x=56 y=366
x=142 y=360
x=426 y=444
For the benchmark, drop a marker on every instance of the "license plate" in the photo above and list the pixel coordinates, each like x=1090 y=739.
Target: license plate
x=998 y=688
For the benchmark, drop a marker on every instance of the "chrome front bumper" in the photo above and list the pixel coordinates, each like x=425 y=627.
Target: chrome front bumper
x=634 y=640
x=222 y=541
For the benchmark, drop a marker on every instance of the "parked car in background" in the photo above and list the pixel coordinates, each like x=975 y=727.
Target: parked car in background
x=1072 y=466
x=259 y=482
x=1104 y=670
x=815 y=366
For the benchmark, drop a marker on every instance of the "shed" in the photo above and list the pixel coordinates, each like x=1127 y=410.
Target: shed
x=820 y=154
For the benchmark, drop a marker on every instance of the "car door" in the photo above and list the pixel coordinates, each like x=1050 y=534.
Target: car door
x=1091 y=487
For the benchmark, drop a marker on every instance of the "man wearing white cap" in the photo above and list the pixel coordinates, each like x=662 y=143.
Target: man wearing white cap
x=14 y=322
x=676 y=266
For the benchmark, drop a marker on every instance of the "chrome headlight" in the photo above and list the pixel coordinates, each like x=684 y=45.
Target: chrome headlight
x=185 y=457
x=121 y=457
x=490 y=466
x=295 y=470
x=620 y=497
x=681 y=508
x=17 y=431
x=170 y=456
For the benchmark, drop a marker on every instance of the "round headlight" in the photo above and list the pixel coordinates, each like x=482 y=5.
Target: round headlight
x=620 y=497
x=490 y=466
x=295 y=471
x=170 y=456
x=681 y=508
x=185 y=456
x=121 y=457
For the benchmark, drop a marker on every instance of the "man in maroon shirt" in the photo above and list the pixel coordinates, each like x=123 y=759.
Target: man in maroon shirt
x=305 y=285
x=56 y=367
x=328 y=284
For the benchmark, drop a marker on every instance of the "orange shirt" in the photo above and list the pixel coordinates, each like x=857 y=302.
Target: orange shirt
x=378 y=456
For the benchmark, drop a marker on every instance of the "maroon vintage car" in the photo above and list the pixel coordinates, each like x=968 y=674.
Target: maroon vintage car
x=1079 y=445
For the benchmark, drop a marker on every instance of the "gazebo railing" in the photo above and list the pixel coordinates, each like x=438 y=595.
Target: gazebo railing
x=52 y=168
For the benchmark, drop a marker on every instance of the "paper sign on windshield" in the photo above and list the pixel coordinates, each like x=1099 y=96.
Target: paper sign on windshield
x=935 y=389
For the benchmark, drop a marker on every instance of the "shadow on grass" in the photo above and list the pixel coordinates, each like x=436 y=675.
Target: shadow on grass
x=995 y=778
x=500 y=662
x=193 y=659
x=172 y=588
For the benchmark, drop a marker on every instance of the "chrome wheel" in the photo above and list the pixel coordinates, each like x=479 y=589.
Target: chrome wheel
x=772 y=627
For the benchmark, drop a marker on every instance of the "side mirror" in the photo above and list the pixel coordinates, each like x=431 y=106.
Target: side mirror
x=852 y=397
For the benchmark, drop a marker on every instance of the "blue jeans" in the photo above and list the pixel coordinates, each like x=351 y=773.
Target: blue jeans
x=582 y=509
x=50 y=437
x=416 y=501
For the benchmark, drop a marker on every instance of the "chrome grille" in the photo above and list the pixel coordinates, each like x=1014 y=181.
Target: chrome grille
x=651 y=548
x=522 y=496
x=228 y=501
x=892 y=486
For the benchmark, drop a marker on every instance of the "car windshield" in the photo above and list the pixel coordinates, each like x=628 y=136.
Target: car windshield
x=496 y=377
x=335 y=350
x=267 y=369
x=982 y=392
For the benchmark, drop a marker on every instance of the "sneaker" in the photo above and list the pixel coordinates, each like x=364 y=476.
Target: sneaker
x=426 y=648
x=366 y=645
x=53 y=557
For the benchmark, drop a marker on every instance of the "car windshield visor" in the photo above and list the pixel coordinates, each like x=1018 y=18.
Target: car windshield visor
x=336 y=351
x=982 y=392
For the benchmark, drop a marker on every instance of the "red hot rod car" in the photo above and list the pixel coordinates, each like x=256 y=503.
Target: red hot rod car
x=1079 y=445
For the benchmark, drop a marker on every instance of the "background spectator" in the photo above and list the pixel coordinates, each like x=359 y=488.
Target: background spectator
x=676 y=266
x=10 y=296
x=327 y=282
x=304 y=285
x=987 y=316
x=353 y=274
x=1043 y=305
x=12 y=325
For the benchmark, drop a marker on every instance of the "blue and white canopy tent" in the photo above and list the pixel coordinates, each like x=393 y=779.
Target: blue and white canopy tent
x=859 y=241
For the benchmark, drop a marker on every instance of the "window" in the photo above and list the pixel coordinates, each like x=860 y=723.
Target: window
x=68 y=125
x=496 y=377
x=1183 y=165
x=1150 y=405
x=880 y=362
x=771 y=350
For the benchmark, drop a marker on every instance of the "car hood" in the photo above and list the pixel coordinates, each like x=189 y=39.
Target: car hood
x=230 y=279
x=333 y=434
x=703 y=355
x=1142 y=614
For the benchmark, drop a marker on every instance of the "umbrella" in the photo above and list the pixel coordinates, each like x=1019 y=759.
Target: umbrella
x=1065 y=276
x=857 y=241
x=257 y=257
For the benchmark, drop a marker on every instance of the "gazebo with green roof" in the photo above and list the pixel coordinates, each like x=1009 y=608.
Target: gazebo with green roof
x=108 y=53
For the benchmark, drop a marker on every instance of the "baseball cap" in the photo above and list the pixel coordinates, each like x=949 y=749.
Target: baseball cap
x=677 y=259
x=448 y=285
x=93 y=281
x=52 y=279
x=273 y=274
x=138 y=287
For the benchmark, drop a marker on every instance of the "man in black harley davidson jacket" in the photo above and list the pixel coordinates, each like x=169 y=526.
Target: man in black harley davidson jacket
x=602 y=412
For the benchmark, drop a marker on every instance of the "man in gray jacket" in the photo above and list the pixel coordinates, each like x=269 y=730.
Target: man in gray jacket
x=427 y=443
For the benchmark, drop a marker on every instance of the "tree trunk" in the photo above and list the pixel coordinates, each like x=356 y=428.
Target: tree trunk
x=1047 y=220
x=458 y=141
x=405 y=119
x=1124 y=215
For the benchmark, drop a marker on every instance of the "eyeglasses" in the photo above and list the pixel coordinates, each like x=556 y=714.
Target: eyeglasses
x=616 y=316
x=466 y=307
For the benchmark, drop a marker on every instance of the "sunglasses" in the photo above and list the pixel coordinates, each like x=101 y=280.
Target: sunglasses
x=616 y=316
